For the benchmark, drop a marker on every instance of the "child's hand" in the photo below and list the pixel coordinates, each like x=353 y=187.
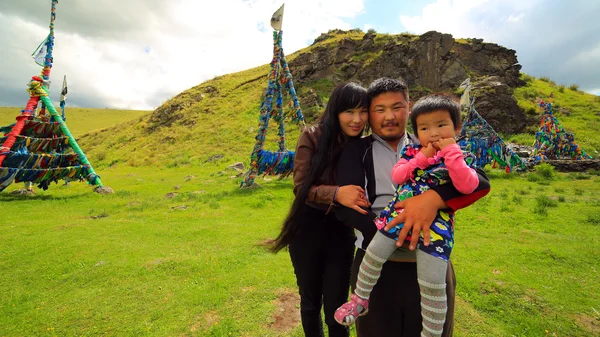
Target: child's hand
x=442 y=143
x=428 y=151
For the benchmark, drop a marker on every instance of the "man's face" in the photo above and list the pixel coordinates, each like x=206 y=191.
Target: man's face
x=388 y=115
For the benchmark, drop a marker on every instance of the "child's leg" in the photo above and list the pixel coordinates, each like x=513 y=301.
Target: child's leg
x=431 y=274
x=379 y=250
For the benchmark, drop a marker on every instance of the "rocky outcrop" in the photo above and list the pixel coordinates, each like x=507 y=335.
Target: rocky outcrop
x=170 y=111
x=430 y=62
x=312 y=105
x=565 y=165
x=495 y=102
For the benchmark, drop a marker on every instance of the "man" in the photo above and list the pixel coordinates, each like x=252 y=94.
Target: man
x=394 y=308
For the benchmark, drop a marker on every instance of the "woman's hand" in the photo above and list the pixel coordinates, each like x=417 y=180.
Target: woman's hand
x=354 y=197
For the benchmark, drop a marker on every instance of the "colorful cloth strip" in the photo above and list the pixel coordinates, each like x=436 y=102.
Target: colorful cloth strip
x=36 y=145
x=37 y=129
x=17 y=163
x=272 y=107
x=39 y=161
x=43 y=177
x=275 y=163
x=487 y=146
x=552 y=141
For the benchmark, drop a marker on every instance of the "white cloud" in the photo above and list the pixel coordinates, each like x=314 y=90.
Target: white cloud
x=515 y=18
x=550 y=37
x=157 y=53
x=467 y=18
x=443 y=15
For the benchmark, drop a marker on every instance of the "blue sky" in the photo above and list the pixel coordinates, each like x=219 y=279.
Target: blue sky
x=384 y=16
x=139 y=53
x=554 y=38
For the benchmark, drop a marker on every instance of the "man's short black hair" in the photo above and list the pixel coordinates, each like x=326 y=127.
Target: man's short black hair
x=434 y=102
x=386 y=84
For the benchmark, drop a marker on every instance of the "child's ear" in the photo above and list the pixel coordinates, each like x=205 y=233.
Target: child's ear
x=458 y=127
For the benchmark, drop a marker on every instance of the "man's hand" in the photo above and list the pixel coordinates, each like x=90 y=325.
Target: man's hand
x=428 y=151
x=442 y=143
x=418 y=213
x=354 y=197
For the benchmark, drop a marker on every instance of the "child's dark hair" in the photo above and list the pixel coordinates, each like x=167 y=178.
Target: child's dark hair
x=434 y=102
x=386 y=84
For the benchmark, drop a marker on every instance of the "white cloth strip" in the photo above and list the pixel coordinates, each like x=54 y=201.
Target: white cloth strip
x=363 y=290
x=434 y=298
x=366 y=282
x=374 y=268
x=432 y=285
x=369 y=275
x=436 y=310
x=435 y=321
x=438 y=332
x=375 y=257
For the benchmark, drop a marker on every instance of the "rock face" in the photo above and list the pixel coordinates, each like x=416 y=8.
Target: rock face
x=495 y=102
x=311 y=104
x=431 y=62
x=574 y=165
x=170 y=111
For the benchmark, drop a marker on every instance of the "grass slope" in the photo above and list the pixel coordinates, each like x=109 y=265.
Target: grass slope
x=578 y=112
x=82 y=120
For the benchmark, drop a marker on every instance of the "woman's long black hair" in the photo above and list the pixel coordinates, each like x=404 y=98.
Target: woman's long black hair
x=329 y=147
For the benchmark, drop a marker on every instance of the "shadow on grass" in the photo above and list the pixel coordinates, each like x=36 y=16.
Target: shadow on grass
x=17 y=197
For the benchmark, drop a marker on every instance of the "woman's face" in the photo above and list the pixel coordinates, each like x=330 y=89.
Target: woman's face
x=353 y=121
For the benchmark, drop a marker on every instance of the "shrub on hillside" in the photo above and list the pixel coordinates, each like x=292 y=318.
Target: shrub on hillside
x=546 y=171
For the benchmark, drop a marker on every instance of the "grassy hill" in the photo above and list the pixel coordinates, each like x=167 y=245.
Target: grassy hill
x=225 y=122
x=205 y=123
x=579 y=112
x=220 y=116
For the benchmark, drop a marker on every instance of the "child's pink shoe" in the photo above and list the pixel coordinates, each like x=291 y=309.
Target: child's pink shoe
x=348 y=313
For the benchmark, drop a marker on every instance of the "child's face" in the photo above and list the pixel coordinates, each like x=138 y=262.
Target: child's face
x=433 y=126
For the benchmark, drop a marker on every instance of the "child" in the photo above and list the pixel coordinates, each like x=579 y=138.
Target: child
x=436 y=121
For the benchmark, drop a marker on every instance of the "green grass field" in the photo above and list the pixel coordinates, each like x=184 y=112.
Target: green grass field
x=81 y=120
x=139 y=263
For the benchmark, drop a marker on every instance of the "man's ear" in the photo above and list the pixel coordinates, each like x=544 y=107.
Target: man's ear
x=410 y=105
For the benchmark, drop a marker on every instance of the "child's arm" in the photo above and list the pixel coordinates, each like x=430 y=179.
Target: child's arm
x=464 y=178
x=403 y=169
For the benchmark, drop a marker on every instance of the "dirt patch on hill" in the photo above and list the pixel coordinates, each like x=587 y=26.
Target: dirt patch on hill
x=590 y=324
x=204 y=321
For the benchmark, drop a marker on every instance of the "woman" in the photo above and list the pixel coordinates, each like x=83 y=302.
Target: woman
x=321 y=247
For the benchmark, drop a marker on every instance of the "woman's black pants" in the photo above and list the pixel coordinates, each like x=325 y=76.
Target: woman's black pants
x=322 y=253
